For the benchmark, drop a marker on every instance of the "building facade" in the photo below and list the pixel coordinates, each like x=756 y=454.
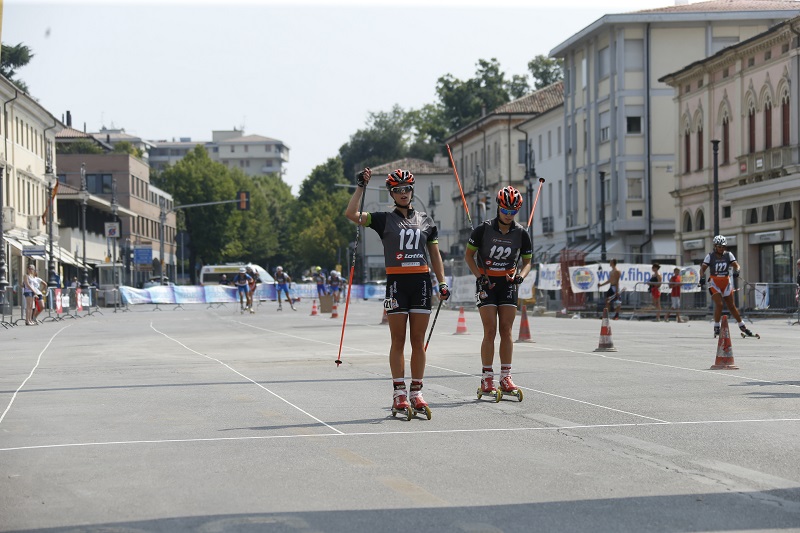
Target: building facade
x=497 y=150
x=619 y=118
x=254 y=155
x=27 y=167
x=744 y=100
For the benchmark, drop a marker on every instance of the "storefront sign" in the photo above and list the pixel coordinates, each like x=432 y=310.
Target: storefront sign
x=695 y=244
x=766 y=236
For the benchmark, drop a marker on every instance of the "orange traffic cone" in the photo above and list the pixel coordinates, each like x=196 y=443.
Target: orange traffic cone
x=314 y=308
x=606 y=344
x=385 y=319
x=724 y=360
x=461 y=328
x=335 y=311
x=524 y=329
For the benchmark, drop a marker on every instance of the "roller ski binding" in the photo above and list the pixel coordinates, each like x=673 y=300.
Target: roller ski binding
x=487 y=388
x=400 y=405
x=716 y=331
x=507 y=387
x=419 y=406
x=747 y=333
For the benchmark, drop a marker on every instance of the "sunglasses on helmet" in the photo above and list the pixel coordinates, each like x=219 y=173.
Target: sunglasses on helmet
x=402 y=189
x=511 y=212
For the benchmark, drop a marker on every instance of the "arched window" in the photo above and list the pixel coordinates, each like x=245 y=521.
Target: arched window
x=687 y=149
x=785 y=119
x=786 y=211
x=769 y=214
x=753 y=218
x=767 y=125
x=700 y=146
x=751 y=128
x=701 y=221
x=726 y=140
x=687 y=222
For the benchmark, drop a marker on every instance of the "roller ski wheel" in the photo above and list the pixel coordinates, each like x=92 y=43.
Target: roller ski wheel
x=487 y=388
x=400 y=405
x=419 y=406
x=507 y=387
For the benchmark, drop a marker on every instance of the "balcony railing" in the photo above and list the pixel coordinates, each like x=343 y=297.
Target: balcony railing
x=766 y=164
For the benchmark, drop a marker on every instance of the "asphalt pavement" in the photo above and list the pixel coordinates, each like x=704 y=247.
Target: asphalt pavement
x=206 y=419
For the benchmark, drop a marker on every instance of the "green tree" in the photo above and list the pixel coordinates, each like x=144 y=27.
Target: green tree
x=545 y=71
x=12 y=58
x=126 y=147
x=384 y=139
x=429 y=130
x=81 y=146
x=466 y=101
x=320 y=230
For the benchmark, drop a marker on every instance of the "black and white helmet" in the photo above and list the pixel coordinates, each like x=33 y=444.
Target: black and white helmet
x=720 y=240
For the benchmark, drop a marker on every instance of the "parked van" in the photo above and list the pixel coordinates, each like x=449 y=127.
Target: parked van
x=211 y=274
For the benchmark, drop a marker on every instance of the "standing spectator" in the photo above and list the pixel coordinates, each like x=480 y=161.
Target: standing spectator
x=224 y=280
x=655 y=290
x=675 y=295
x=408 y=238
x=31 y=290
x=284 y=281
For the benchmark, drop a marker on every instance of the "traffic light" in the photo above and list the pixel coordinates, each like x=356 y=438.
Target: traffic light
x=243 y=201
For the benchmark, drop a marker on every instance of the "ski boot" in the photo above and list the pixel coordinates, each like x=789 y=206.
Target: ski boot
x=507 y=387
x=716 y=331
x=747 y=333
x=487 y=387
x=400 y=404
x=419 y=405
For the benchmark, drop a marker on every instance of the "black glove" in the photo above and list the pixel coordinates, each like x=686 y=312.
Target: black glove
x=518 y=280
x=360 y=177
x=735 y=273
x=483 y=282
x=444 y=291
x=702 y=282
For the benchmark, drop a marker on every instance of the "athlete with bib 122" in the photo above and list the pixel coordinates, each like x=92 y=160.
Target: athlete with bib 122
x=720 y=285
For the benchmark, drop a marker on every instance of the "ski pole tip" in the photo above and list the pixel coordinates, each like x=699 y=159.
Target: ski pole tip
x=541 y=180
x=338 y=362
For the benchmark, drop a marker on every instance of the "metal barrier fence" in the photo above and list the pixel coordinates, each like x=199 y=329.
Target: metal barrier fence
x=58 y=304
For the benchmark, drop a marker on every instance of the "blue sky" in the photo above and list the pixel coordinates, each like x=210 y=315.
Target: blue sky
x=305 y=72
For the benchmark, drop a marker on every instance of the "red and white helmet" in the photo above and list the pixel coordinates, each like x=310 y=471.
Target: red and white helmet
x=509 y=198
x=399 y=177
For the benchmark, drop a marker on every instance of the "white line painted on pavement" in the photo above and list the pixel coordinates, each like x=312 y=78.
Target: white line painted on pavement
x=415 y=433
x=38 y=360
x=248 y=379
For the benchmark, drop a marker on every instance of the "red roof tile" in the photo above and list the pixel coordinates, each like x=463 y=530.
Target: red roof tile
x=728 y=6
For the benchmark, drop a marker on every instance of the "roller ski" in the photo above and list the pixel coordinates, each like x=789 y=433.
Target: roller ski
x=747 y=333
x=487 y=388
x=716 y=331
x=400 y=405
x=507 y=387
x=419 y=406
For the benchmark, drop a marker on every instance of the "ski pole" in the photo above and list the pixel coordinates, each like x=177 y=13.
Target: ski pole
x=535 y=201
x=350 y=282
x=434 y=324
x=464 y=200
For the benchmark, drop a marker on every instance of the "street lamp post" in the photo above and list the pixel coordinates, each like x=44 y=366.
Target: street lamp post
x=163 y=222
x=715 y=145
x=3 y=280
x=114 y=211
x=84 y=202
x=602 y=216
x=51 y=264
